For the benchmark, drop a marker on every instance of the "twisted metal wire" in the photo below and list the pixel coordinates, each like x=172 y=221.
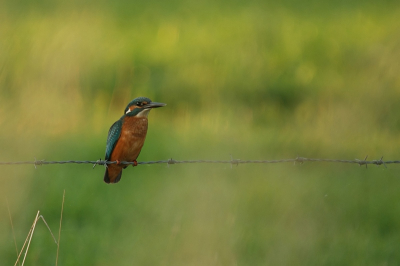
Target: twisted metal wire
x=231 y=162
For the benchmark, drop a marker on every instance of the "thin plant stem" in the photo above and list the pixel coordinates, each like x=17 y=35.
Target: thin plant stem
x=30 y=238
x=59 y=230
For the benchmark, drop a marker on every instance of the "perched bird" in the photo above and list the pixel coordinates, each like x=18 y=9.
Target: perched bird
x=126 y=137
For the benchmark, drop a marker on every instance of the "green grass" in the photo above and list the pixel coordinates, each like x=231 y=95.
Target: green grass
x=255 y=79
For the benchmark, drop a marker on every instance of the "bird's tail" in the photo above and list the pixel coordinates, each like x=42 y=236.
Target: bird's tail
x=113 y=174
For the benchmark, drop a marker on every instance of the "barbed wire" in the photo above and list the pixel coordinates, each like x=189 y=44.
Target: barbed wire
x=231 y=162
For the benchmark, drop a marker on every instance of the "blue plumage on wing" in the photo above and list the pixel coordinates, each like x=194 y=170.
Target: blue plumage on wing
x=113 y=136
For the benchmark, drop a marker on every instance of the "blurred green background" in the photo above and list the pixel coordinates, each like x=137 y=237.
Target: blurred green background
x=255 y=79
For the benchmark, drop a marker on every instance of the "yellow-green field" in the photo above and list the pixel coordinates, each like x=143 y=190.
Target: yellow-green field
x=255 y=79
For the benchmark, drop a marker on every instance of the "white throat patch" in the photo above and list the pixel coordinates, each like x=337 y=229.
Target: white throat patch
x=143 y=113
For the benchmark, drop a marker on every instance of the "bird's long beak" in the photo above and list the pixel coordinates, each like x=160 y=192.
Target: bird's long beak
x=153 y=105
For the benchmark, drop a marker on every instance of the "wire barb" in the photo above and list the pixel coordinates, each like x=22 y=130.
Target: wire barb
x=38 y=162
x=100 y=162
x=363 y=162
x=234 y=161
x=300 y=160
x=380 y=162
x=171 y=161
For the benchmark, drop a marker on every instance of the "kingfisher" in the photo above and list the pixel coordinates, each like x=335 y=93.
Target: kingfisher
x=126 y=137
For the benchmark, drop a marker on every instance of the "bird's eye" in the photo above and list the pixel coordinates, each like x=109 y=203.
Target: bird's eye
x=139 y=104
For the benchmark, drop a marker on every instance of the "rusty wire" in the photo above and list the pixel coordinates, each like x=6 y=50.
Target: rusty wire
x=231 y=162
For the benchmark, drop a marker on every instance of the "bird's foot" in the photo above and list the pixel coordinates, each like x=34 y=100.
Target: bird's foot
x=118 y=162
x=134 y=163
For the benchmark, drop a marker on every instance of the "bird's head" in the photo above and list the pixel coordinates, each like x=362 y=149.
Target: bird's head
x=141 y=107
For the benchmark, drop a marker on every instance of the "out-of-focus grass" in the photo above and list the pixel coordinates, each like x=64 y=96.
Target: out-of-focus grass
x=256 y=80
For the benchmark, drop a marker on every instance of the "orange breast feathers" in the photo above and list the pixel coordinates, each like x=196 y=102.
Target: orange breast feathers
x=131 y=140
